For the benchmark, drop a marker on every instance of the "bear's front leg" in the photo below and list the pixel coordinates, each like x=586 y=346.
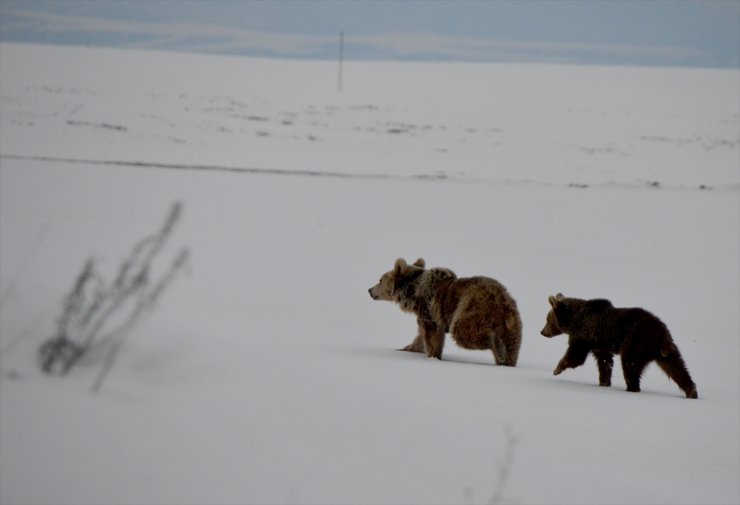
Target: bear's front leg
x=605 y=362
x=417 y=345
x=574 y=357
x=633 y=365
x=434 y=338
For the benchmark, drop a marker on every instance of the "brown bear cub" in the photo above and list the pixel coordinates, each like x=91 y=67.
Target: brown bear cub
x=598 y=327
x=477 y=311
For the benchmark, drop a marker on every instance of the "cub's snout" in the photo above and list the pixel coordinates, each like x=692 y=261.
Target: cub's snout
x=552 y=325
x=373 y=295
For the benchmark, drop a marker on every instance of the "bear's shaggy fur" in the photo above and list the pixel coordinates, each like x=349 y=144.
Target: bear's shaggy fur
x=478 y=312
x=598 y=327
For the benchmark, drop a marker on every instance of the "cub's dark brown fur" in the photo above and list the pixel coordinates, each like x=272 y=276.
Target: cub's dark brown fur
x=478 y=312
x=598 y=327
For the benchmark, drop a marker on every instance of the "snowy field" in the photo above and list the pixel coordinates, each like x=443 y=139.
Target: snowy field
x=266 y=374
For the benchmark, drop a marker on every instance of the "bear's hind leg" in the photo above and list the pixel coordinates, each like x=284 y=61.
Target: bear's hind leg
x=674 y=366
x=505 y=350
x=500 y=354
x=508 y=336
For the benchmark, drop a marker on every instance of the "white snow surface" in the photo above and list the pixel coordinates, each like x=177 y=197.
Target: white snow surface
x=266 y=374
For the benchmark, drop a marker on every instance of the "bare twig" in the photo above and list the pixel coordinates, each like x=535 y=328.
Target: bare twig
x=502 y=474
x=144 y=304
x=505 y=466
x=92 y=303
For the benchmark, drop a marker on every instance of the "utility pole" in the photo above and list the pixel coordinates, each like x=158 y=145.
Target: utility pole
x=341 y=58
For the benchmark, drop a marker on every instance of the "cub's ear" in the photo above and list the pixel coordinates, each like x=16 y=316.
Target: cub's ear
x=555 y=299
x=400 y=266
x=420 y=263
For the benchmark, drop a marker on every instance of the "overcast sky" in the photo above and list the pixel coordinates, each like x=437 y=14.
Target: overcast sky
x=636 y=32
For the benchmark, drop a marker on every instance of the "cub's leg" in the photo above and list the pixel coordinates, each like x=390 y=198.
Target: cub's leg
x=674 y=366
x=434 y=339
x=574 y=357
x=605 y=362
x=632 y=367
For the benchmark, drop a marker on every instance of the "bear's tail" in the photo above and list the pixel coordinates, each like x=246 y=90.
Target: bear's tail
x=668 y=349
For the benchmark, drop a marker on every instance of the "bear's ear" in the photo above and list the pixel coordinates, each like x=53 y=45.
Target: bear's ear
x=555 y=299
x=420 y=263
x=400 y=266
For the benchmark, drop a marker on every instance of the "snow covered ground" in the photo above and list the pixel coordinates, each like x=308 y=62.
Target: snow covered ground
x=268 y=375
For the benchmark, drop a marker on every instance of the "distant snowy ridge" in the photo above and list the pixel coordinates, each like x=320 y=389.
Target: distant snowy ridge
x=504 y=122
x=380 y=176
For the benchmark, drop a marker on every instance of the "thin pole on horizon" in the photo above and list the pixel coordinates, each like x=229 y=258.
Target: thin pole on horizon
x=341 y=58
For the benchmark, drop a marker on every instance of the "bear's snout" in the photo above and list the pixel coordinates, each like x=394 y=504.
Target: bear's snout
x=372 y=295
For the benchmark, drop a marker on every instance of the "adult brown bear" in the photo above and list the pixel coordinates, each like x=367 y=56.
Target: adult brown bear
x=478 y=312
